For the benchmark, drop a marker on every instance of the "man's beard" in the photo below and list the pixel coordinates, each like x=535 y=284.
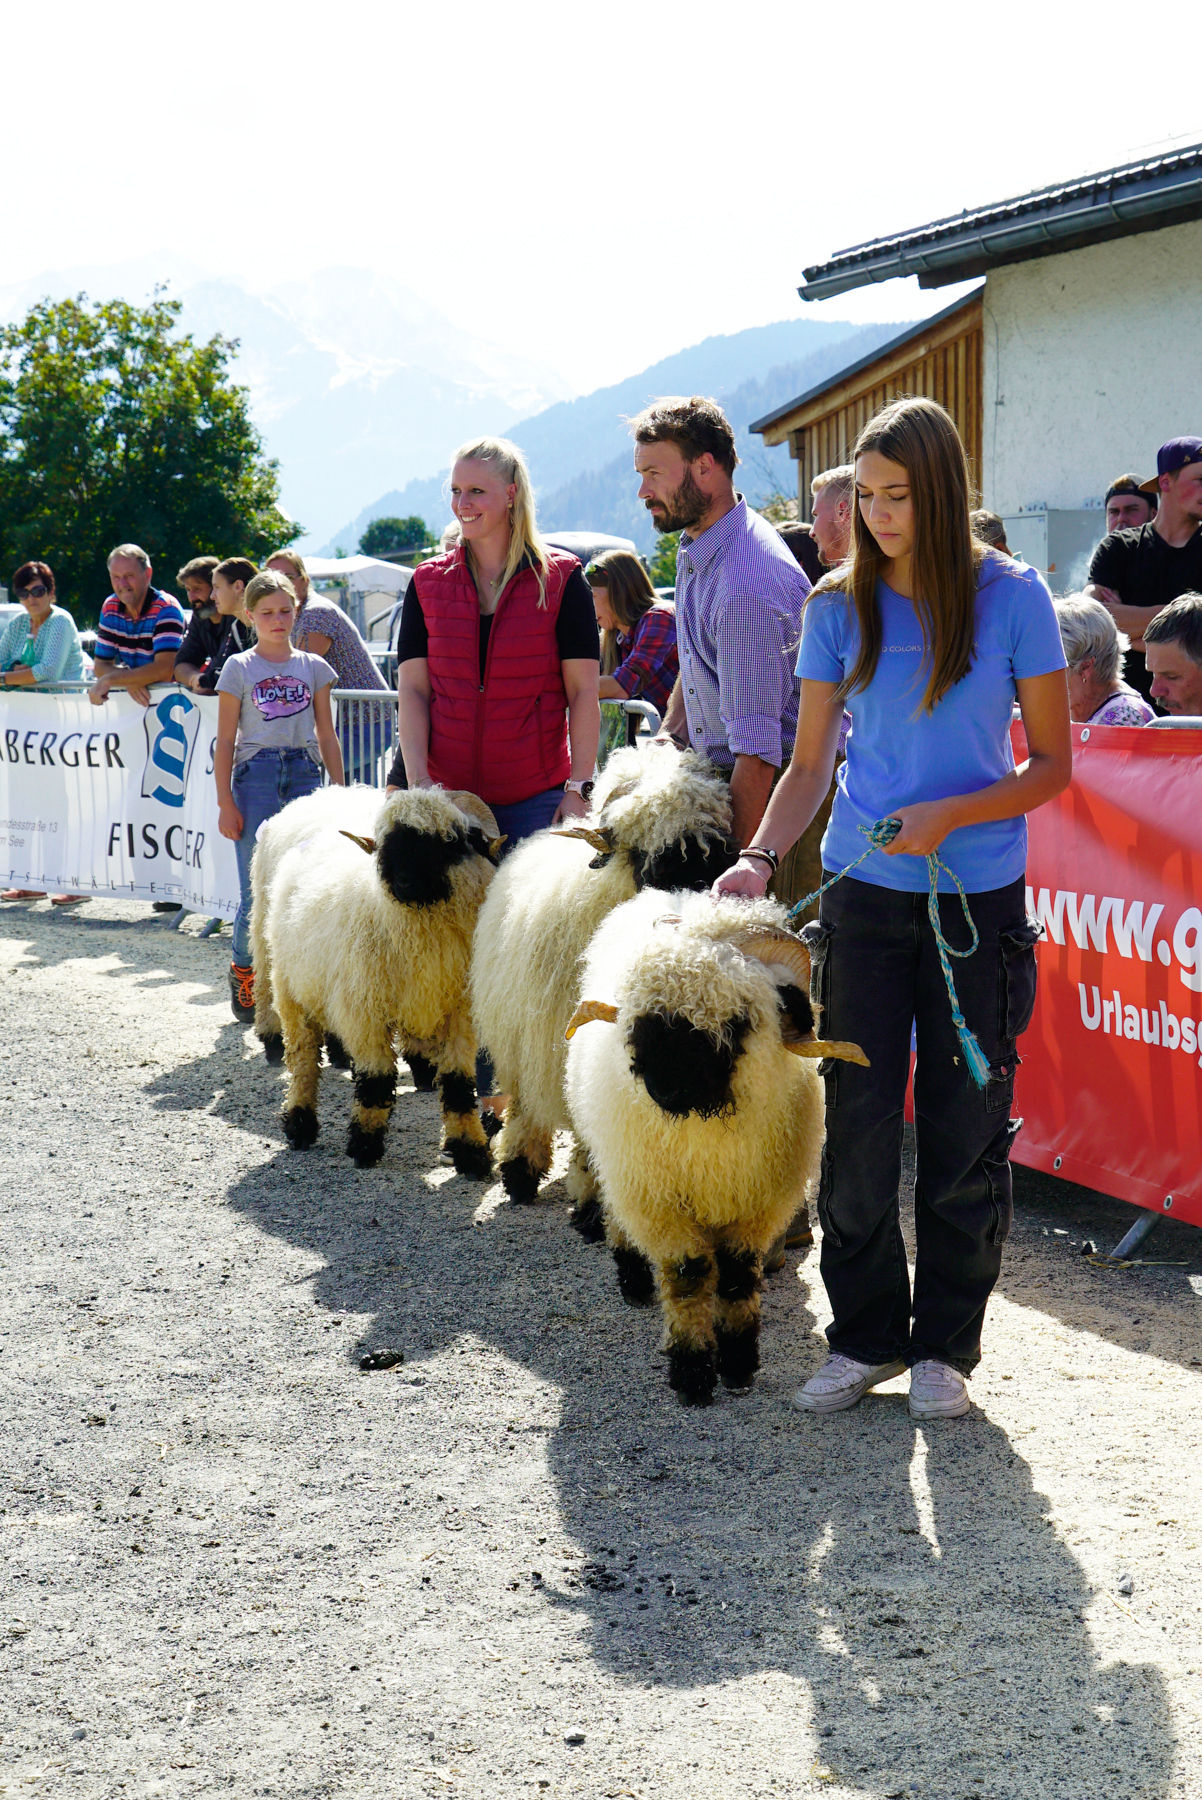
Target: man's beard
x=686 y=508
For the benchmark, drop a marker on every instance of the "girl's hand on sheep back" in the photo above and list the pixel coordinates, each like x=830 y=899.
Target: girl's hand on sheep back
x=748 y=880
x=229 y=820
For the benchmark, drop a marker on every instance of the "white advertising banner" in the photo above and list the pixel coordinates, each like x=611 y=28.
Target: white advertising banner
x=116 y=799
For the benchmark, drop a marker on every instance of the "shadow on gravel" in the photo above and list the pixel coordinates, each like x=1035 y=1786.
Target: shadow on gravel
x=1150 y=1308
x=909 y=1577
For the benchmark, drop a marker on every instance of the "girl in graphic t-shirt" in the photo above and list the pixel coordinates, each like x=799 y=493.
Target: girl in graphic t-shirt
x=928 y=638
x=275 y=728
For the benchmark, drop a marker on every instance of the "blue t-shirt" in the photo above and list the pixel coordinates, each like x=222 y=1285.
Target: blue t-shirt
x=898 y=754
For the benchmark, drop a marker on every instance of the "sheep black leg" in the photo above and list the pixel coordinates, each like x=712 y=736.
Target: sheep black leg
x=423 y=1071
x=371 y=1110
x=525 y=1155
x=737 y=1319
x=687 y=1286
x=636 y=1277
x=466 y=1144
x=302 y=1051
x=587 y=1215
x=337 y=1054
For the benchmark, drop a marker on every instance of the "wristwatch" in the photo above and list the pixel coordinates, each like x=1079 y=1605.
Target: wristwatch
x=583 y=788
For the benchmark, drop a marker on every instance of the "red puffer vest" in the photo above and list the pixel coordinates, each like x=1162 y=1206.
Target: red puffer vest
x=508 y=738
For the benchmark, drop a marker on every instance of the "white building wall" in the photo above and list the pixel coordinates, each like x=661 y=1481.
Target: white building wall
x=1092 y=360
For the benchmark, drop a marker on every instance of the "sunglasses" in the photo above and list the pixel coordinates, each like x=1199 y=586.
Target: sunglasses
x=32 y=593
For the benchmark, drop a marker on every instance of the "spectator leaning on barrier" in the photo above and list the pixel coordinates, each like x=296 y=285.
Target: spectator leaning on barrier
x=987 y=528
x=140 y=630
x=638 y=641
x=803 y=547
x=832 y=496
x=204 y=629
x=1136 y=572
x=1095 y=647
x=1127 y=505
x=739 y=599
x=39 y=647
x=1174 y=641
x=43 y=644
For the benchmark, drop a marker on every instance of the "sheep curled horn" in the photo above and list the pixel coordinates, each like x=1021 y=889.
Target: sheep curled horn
x=779 y=951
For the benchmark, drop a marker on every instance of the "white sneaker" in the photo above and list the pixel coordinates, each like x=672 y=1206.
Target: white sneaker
x=841 y=1382
x=937 y=1391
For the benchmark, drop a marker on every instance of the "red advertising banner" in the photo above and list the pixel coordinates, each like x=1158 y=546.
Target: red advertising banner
x=1110 y=1088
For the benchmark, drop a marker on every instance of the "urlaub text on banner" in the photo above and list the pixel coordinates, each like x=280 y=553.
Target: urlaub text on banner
x=1110 y=1088
x=114 y=799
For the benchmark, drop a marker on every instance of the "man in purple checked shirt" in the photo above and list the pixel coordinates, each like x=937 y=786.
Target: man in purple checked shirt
x=739 y=600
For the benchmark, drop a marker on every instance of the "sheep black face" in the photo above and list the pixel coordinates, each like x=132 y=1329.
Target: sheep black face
x=416 y=866
x=693 y=864
x=799 y=1014
x=682 y=1068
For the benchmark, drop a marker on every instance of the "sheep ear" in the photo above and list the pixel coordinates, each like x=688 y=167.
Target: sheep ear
x=600 y=840
x=833 y=1048
x=495 y=846
x=364 y=843
x=589 y=1010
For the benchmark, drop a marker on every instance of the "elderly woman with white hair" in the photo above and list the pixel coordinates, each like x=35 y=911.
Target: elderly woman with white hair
x=1096 y=652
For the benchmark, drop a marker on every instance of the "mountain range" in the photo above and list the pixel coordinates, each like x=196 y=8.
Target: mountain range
x=579 y=450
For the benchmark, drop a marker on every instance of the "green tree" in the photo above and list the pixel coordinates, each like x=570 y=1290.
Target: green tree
x=116 y=429
x=390 y=537
x=663 y=560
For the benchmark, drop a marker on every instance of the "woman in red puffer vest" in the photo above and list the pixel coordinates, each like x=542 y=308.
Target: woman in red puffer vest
x=499 y=656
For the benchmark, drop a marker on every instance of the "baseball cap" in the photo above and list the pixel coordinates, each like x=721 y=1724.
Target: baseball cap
x=1178 y=453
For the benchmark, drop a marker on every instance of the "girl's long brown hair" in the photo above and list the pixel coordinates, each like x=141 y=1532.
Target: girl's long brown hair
x=630 y=592
x=946 y=560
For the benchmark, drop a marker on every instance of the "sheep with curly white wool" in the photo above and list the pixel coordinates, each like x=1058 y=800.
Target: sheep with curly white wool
x=661 y=819
x=367 y=934
x=693 y=1085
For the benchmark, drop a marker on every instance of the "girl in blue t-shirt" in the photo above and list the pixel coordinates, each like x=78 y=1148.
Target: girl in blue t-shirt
x=928 y=637
x=275 y=729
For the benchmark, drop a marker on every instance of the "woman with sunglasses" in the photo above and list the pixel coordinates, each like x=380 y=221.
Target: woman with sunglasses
x=37 y=649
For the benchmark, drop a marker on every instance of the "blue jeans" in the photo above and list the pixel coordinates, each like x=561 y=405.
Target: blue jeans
x=876 y=973
x=262 y=786
x=521 y=819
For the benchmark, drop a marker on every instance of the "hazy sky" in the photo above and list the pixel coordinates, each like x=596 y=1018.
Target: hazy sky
x=591 y=186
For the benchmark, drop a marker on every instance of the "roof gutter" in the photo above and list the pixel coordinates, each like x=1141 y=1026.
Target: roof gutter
x=967 y=253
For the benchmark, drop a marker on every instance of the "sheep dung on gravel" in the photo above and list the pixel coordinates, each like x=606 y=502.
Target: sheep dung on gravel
x=373 y=948
x=697 y=1098
x=660 y=819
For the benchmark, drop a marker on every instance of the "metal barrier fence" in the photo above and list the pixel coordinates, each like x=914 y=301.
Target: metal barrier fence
x=365 y=720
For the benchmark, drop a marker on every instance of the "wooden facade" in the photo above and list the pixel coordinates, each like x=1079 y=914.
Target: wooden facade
x=941 y=359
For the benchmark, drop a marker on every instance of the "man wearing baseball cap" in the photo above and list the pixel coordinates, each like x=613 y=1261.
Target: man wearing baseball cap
x=1137 y=572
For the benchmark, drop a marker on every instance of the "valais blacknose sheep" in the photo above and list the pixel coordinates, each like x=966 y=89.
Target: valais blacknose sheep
x=361 y=926
x=693 y=1084
x=661 y=819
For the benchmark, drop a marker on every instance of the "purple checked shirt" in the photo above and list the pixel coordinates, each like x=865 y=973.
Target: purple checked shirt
x=739 y=599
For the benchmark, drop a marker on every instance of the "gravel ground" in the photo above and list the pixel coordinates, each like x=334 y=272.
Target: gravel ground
x=512 y=1564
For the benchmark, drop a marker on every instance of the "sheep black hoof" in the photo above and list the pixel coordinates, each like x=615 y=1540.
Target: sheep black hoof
x=423 y=1072
x=636 y=1278
x=337 y=1054
x=365 y=1148
x=738 y=1359
x=300 y=1127
x=691 y=1374
x=273 y=1047
x=589 y=1220
x=520 y=1180
x=491 y=1122
x=470 y=1159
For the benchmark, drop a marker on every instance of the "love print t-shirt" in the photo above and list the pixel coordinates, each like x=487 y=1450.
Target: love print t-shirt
x=276 y=701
